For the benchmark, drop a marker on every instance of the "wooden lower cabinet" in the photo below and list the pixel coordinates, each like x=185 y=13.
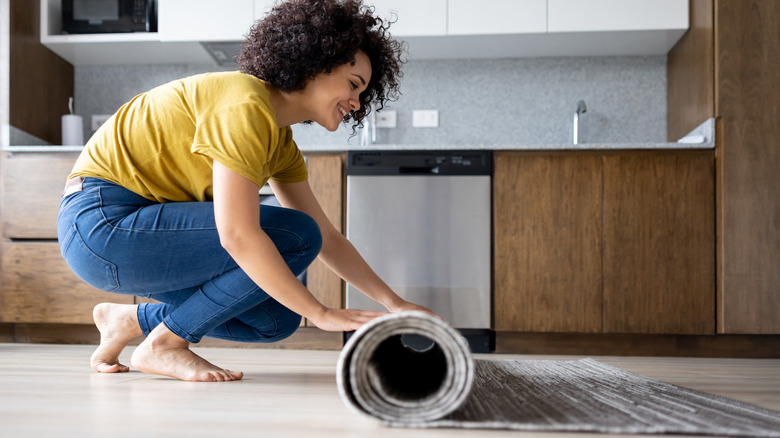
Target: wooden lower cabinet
x=326 y=180
x=725 y=67
x=659 y=244
x=619 y=243
x=31 y=186
x=747 y=102
x=38 y=286
x=547 y=213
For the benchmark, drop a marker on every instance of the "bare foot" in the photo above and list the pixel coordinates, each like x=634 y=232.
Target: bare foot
x=118 y=324
x=166 y=354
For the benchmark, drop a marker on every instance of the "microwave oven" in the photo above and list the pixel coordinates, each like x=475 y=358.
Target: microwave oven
x=108 y=16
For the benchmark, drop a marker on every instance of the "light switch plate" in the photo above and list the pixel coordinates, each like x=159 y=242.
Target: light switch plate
x=425 y=118
x=98 y=120
x=386 y=119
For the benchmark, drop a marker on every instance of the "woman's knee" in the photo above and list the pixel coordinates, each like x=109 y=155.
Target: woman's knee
x=310 y=232
x=294 y=233
x=287 y=325
x=284 y=322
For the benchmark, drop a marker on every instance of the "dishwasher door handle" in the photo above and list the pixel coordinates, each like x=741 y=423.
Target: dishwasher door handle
x=411 y=170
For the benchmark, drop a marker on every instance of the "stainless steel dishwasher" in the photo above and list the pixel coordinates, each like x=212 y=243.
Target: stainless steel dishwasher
x=422 y=220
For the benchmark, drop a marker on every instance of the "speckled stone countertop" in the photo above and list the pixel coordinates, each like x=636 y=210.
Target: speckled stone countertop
x=703 y=137
x=49 y=148
x=515 y=147
x=409 y=147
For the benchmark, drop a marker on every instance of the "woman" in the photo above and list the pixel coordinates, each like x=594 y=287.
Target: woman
x=163 y=201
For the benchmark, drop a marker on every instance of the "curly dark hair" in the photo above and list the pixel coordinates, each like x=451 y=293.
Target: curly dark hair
x=300 y=39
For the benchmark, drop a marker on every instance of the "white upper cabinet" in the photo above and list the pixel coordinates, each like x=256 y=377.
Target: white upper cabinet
x=262 y=8
x=486 y=17
x=616 y=15
x=204 y=20
x=433 y=29
x=414 y=17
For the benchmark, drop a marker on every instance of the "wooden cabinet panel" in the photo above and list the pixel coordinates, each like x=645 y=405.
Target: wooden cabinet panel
x=659 y=244
x=726 y=67
x=326 y=180
x=620 y=243
x=747 y=90
x=547 y=250
x=38 y=286
x=690 y=75
x=39 y=81
x=30 y=191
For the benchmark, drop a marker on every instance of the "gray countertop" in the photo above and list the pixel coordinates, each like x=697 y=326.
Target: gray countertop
x=53 y=148
x=514 y=147
x=703 y=137
x=700 y=138
x=399 y=147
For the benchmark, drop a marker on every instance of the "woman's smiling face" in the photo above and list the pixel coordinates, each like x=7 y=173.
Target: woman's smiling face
x=331 y=96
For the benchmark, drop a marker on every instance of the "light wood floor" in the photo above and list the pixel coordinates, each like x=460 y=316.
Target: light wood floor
x=49 y=390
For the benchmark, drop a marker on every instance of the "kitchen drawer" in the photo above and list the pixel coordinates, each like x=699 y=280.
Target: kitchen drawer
x=36 y=285
x=30 y=190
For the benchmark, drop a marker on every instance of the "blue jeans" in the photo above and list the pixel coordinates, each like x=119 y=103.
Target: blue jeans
x=120 y=242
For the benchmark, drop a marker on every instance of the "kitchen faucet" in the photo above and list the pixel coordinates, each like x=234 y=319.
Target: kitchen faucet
x=369 y=124
x=581 y=109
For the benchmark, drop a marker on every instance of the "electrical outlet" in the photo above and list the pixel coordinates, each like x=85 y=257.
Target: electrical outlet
x=425 y=118
x=386 y=119
x=98 y=120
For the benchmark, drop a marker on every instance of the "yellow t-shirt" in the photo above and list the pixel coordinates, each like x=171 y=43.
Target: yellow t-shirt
x=161 y=144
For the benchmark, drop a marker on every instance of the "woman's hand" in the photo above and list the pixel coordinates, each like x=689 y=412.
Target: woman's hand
x=407 y=306
x=346 y=320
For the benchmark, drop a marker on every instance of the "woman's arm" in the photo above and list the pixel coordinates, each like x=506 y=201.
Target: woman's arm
x=337 y=252
x=237 y=215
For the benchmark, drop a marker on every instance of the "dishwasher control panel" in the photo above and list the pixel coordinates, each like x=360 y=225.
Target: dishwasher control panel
x=432 y=162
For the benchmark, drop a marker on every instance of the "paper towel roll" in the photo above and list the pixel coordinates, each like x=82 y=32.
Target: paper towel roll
x=72 y=130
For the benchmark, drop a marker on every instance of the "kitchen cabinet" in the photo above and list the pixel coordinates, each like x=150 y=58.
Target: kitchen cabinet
x=547 y=243
x=31 y=186
x=433 y=29
x=36 y=285
x=616 y=15
x=262 y=8
x=414 y=18
x=467 y=17
x=592 y=243
x=183 y=20
x=114 y=48
x=39 y=287
x=726 y=67
x=204 y=20
x=326 y=177
x=659 y=249
x=39 y=83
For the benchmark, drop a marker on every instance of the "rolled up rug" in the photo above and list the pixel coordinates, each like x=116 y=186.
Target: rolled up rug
x=405 y=368
x=411 y=369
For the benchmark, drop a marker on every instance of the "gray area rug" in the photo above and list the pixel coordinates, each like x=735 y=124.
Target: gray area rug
x=386 y=371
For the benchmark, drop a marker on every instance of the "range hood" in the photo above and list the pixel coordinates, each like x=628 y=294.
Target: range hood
x=224 y=53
